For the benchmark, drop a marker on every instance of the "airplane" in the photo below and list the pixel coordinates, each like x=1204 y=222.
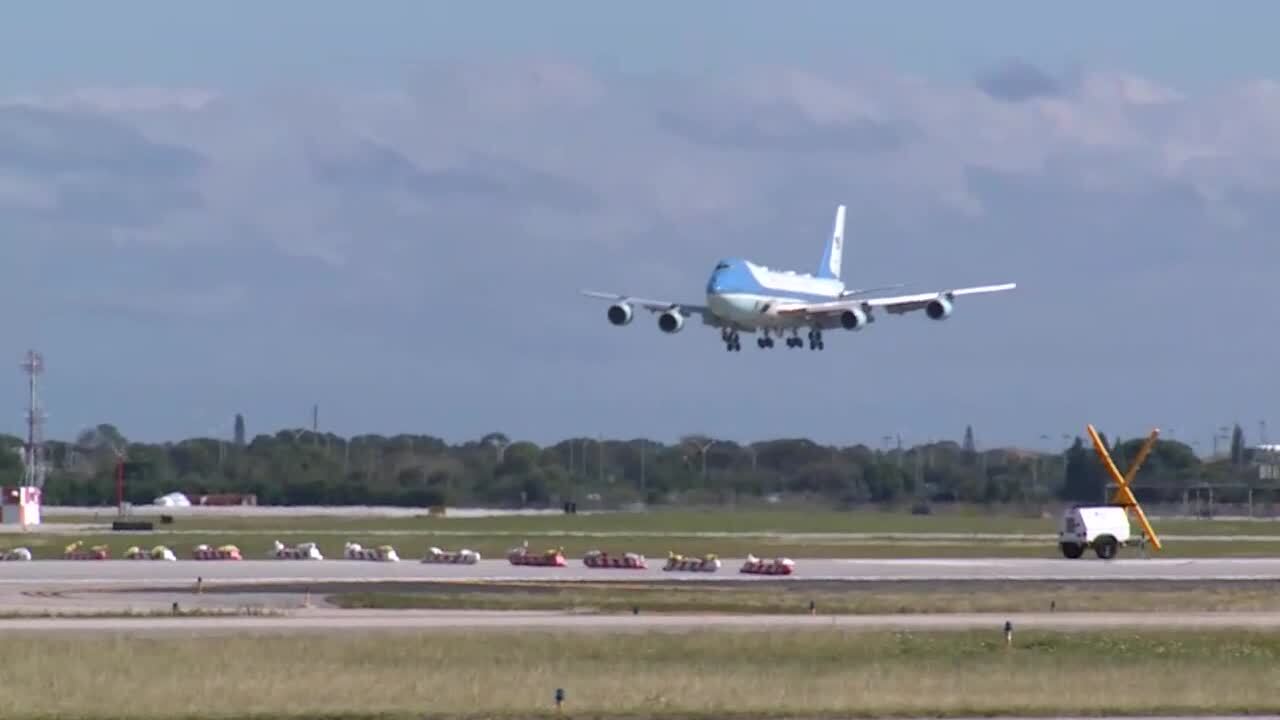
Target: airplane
x=743 y=297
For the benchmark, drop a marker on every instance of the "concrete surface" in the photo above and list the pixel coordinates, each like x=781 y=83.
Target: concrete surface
x=74 y=587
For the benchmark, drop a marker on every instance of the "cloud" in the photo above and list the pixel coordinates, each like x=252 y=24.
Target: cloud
x=1016 y=80
x=441 y=227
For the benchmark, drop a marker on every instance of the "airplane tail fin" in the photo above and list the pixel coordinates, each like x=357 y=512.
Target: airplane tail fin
x=833 y=256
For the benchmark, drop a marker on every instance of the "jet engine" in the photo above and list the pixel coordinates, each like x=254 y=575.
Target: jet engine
x=938 y=308
x=853 y=319
x=670 y=321
x=620 y=314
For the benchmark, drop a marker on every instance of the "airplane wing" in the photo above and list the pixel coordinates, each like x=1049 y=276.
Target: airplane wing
x=657 y=306
x=864 y=291
x=896 y=304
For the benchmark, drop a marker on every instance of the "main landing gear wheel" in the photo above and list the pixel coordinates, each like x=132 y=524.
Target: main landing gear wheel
x=764 y=342
x=815 y=340
x=731 y=343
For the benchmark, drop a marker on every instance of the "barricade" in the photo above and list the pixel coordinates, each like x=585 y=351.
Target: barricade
x=680 y=563
x=462 y=557
x=77 y=551
x=159 y=552
x=224 y=552
x=382 y=553
x=301 y=551
x=776 y=566
x=601 y=559
x=549 y=558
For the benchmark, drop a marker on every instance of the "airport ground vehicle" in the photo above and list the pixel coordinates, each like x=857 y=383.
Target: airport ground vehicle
x=1103 y=528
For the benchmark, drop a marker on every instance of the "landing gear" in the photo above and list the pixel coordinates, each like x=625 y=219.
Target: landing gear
x=730 y=338
x=815 y=340
x=764 y=342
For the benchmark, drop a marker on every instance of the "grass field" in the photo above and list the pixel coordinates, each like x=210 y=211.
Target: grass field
x=682 y=522
x=140 y=614
x=412 y=546
x=817 y=533
x=711 y=676
x=829 y=598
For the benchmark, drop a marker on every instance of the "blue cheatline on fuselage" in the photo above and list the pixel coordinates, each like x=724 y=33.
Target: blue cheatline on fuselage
x=749 y=295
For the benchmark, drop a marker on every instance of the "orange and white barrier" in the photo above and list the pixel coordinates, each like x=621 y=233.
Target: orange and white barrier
x=224 y=552
x=301 y=551
x=601 y=559
x=462 y=557
x=549 y=558
x=776 y=566
x=707 y=563
x=382 y=553
x=15 y=554
x=158 y=552
x=77 y=551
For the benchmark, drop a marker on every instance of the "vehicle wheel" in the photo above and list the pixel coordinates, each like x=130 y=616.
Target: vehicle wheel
x=1071 y=550
x=1105 y=547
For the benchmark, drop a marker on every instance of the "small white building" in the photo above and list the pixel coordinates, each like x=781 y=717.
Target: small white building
x=20 y=505
x=173 y=499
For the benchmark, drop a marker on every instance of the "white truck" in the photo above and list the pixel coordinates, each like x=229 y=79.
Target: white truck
x=1104 y=528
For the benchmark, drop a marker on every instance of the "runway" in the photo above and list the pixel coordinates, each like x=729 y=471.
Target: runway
x=145 y=572
x=66 y=586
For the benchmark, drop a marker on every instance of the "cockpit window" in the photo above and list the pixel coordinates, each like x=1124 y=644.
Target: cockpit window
x=722 y=266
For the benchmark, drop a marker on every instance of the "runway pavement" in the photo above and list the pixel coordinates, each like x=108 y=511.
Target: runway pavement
x=67 y=586
x=147 y=572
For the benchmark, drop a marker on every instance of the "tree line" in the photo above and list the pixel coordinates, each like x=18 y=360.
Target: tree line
x=300 y=467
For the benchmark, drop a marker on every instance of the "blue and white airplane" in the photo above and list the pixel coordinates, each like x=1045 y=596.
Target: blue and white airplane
x=743 y=297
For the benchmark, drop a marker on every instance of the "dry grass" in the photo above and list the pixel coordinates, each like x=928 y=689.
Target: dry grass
x=831 y=598
x=702 y=675
x=245 y=611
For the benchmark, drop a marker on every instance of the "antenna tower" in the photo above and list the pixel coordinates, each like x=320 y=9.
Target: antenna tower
x=34 y=450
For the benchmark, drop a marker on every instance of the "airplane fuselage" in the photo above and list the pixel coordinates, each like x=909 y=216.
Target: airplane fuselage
x=744 y=294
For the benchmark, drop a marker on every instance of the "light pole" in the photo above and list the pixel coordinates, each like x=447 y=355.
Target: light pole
x=121 y=453
x=643 y=446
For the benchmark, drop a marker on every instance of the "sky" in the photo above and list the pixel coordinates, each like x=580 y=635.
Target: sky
x=388 y=211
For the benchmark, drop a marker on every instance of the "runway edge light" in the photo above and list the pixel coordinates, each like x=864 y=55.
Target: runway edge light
x=1123 y=495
